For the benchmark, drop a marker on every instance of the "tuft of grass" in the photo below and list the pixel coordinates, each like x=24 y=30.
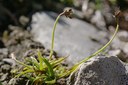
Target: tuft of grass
x=42 y=70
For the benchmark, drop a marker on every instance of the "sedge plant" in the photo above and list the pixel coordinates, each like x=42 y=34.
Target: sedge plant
x=43 y=70
x=68 y=13
x=46 y=71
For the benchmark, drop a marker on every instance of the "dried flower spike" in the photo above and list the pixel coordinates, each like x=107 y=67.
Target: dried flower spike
x=68 y=12
x=117 y=12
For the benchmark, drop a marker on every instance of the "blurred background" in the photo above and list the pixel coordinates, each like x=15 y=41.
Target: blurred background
x=16 y=14
x=99 y=13
x=12 y=11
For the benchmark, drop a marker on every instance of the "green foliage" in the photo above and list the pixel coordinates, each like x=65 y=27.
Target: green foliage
x=42 y=70
x=0 y=83
x=67 y=2
x=98 y=4
x=113 y=1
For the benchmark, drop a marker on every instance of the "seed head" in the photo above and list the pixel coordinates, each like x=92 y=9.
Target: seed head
x=117 y=13
x=68 y=12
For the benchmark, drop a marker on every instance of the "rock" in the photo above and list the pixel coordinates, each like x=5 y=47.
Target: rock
x=24 y=20
x=9 y=61
x=114 y=52
x=79 y=14
x=12 y=81
x=87 y=8
x=98 y=20
x=72 y=37
x=123 y=36
x=19 y=81
x=101 y=70
x=125 y=49
x=121 y=43
x=3 y=77
x=117 y=42
x=5 y=68
x=3 y=53
x=5 y=83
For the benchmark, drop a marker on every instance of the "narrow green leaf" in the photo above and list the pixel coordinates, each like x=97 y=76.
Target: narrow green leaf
x=40 y=59
x=35 y=63
x=51 y=81
x=37 y=78
x=50 y=69
x=23 y=64
x=57 y=62
x=24 y=72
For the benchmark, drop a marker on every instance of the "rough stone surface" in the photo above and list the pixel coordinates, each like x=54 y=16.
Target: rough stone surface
x=73 y=36
x=101 y=70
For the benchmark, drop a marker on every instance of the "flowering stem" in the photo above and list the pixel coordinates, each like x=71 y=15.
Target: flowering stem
x=53 y=35
x=75 y=67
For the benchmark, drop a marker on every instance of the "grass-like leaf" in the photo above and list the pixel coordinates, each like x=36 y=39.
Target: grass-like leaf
x=24 y=72
x=50 y=68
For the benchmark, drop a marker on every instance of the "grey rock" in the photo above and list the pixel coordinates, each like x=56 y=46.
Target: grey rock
x=123 y=36
x=24 y=20
x=98 y=20
x=78 y=3
x=85 y=5
x=114 y=52
x=101 y=70
x=125 y=49
x=3 y=53
x=12 y=81
x=5 y=83
x=17 y=81
x=5 y=68
x=3 y=77
x=9 y=61
x=118 y=42
x=79 y=14
x=121 y=43
x=72 y=37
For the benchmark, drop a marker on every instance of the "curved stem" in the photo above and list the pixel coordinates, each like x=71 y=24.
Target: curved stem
x=53 y=34
x=74 y=68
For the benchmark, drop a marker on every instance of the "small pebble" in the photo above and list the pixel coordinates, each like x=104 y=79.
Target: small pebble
x=9 y=61
x=3 y=77
x=5 y=68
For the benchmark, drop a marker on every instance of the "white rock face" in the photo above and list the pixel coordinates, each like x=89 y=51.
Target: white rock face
x=73 y=37
x=101 y=70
